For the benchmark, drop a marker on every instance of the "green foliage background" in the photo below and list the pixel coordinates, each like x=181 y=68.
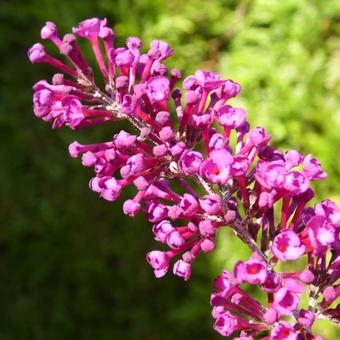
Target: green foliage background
x=71 y=265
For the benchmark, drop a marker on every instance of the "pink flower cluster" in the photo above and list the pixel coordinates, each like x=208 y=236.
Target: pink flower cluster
x=196 y=166
x=235 y=310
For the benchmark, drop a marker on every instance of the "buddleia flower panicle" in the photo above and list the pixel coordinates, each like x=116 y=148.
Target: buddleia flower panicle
x=196 y=166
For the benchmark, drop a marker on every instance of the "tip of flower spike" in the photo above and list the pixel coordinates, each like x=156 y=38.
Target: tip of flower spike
x=158 y=89
x=160 y=50
x=231 y=117
x=106 y=34
x=190 y=162
x=207 y=246
x=74 y=149
x=42 y=101
x=312 y=168
x=259 y=137
x=226 y=323
x=67 y=45
x=89 y=28
x=176 y=73
x=58 y=79
x=182 y=269
x=159 y=261
x=49 y=31
x=131 y=207
x=192 y=97
x=36 y=53
x=133 y=43
x=110 y=189
x=230 y=89
x=89 y=159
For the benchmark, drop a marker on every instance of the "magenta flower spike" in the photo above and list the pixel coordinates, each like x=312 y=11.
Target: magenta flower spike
x=195 y=166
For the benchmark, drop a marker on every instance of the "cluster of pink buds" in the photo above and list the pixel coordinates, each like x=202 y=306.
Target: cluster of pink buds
x=196 y=166
x=234 y=310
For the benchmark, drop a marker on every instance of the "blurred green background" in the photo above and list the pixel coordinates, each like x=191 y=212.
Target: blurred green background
x=72 y=266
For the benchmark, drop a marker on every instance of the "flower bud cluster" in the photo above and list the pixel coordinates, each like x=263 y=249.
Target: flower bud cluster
x=284 y=316
x=196 y=166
